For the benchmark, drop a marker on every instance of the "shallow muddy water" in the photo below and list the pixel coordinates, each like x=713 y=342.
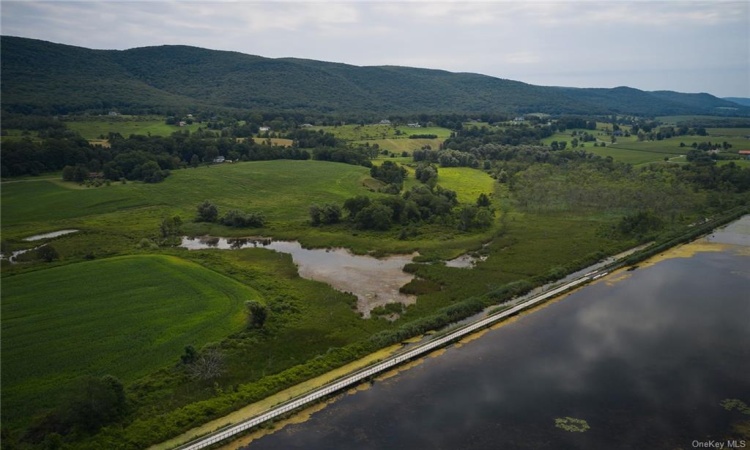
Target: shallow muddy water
x=374 y=281
x=646 y=358
x=466 y=261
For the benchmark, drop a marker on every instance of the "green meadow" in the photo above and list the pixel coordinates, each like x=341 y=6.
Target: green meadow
x=468 y=183
x=94 y=127
x=731 y=132
x=354 y=132
x=271 y=187
x=629 y=150
x=282 y=190
x=125 y=316
x=401 y=145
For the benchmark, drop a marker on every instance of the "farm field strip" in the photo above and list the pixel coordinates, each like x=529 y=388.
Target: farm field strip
x=68 y=321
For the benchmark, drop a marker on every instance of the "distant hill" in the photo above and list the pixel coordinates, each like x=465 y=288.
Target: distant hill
x=744 y=101
x=43 y=77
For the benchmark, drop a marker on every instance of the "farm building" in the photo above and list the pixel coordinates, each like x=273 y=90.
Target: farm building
x=745 y=153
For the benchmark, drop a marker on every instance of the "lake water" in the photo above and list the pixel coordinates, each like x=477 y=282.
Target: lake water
x=374 y=281
x=646 y=358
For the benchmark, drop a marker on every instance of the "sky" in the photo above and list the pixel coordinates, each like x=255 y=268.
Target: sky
x=684 y=46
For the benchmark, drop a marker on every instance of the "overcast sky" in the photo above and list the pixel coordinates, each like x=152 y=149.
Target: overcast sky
x=684 y=46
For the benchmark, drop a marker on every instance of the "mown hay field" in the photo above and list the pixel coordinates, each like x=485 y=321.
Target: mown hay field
x=125 y=316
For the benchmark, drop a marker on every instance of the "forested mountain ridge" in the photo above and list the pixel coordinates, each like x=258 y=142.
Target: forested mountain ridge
x=47 y=78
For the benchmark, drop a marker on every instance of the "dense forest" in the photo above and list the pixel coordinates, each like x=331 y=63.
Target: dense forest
x=46 y=78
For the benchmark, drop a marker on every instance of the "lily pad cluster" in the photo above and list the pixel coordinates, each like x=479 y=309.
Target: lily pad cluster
x=572 y=424
x=731 y=404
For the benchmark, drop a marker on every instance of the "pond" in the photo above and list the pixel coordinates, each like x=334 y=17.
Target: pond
x=654 y=358
x=374 y=281
x=39 y=237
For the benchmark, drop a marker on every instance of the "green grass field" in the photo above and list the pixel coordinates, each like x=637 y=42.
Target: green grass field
x=632 y=155
x=468 y=183
x=399 y=146
x=674 y=120
x=733 y=132
x=134 y=210
x=281 y=142
x=65 y=322
x=102 y=126
x=376 y=132
x=630 y=150
x=271 y=187
x=745 y=163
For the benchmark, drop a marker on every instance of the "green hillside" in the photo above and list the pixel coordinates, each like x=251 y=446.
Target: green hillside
x=42 y=77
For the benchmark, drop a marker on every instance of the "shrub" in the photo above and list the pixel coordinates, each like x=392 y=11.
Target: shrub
x=329 y=213
x=419 y=286
x=47 y=253
x=238 y=219
x=207 y=212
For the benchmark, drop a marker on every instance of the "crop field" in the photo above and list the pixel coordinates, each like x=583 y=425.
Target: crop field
x=102 y=126
x=68 y=321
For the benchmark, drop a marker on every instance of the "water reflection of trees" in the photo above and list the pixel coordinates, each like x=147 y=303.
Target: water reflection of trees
x=210 y=241
x=229 y=243
x=238 y=243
